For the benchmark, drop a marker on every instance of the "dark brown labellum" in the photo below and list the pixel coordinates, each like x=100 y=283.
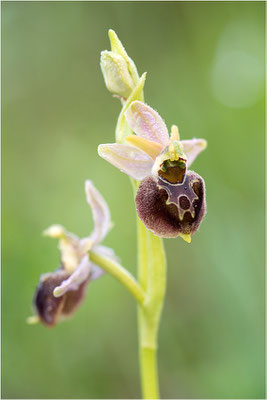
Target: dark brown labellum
x=171 y=209
x=50 y=308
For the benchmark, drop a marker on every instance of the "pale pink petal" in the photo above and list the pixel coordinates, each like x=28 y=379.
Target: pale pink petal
x=147 y=123
x=96 y=272
x=129 y=159
x=80 y=275
x=192 y=148
x=100 y=211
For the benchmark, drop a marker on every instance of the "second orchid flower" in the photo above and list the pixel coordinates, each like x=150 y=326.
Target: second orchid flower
x=60 y=292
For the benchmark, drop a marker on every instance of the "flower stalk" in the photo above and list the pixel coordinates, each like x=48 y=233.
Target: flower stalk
x=120 y=273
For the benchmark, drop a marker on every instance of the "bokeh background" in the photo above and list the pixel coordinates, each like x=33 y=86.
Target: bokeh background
x=205 y=63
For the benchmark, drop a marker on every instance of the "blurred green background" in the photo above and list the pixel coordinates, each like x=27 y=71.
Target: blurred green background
x=205 y=63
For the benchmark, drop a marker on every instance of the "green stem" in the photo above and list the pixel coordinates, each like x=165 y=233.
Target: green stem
x=150 y=316
x=120 y=273
x=149 y=376
x=142 y=254
x=152 y=278
x=122 y=128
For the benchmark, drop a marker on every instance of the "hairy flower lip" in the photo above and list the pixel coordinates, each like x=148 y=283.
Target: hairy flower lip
x=51 y=309
x=159 y=208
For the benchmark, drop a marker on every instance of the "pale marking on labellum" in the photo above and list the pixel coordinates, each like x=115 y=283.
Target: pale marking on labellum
x=175 y=191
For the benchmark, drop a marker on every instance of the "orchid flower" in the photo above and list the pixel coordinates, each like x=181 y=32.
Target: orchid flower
x=61 y=292
x=160 y=161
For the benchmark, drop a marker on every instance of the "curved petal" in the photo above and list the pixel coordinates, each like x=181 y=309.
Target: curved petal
x=147 y=123
x=100 y=211
x=130 y=160
x=192 y=148
x=79 y=276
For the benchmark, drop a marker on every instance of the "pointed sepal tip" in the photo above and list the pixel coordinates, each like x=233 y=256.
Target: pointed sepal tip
x=186 y=237
x=33 y=320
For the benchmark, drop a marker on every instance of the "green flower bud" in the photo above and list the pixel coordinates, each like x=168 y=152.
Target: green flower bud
x=116 y=74
x=119 y=70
